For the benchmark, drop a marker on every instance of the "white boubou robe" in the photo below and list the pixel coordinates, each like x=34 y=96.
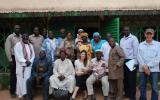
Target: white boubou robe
x=23 y=74
x=65 y=68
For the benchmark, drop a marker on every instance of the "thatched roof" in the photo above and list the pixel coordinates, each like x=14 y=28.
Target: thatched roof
x=7 y=6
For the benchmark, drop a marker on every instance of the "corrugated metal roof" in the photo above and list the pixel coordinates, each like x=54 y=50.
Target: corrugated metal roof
x=7 y=6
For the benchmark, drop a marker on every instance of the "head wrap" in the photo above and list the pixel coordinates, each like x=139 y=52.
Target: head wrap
x=96 y=34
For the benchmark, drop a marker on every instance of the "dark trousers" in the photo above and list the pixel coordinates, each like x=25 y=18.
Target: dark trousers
x=45 y=84
x=13 y=79
x=129 y=82
x=116 y=89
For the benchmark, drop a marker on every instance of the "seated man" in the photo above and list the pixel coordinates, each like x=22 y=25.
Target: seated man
x=41 y=70
x=99 y=70
x=63 y=74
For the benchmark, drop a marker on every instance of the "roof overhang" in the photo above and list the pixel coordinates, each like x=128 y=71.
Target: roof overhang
x=38 y=8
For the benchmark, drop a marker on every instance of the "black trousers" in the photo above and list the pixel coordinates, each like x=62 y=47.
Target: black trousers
x=13 y=79
x=129 y=82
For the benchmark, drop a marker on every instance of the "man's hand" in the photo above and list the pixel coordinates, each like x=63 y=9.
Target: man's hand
x=28 y=63
x=100 y=76
x=103 y=65
x=11 y=63
x=115 y=67
x=61 y=77
x=146 y=70
x=38 y=78
x=85 y=71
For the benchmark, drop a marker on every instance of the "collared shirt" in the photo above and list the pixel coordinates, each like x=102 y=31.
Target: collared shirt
x=49 y=46
x=11 y=41
x=149 y=54
x=130 y=46
x=36 y=42
x=106 y=49
x=98 y=67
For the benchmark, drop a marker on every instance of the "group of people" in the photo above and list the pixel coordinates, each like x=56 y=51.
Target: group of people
x=73 y=65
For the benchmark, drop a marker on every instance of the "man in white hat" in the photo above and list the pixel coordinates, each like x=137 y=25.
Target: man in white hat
x=99 y=70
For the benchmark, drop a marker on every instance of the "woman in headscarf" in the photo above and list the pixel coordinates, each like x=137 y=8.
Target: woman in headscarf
x=84 y=44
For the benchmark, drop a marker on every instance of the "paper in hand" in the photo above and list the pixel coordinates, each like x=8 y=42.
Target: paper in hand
x=130 y=64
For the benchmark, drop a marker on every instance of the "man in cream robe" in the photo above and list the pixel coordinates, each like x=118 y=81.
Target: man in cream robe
x=63 y=74
x=24 y=55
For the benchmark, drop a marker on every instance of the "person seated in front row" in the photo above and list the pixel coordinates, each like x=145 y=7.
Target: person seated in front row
x=81 y=65
x=41 y=70
x=99 y=70
x=63 y=74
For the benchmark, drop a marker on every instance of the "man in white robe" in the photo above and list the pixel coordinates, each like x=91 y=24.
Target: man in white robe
x=63 y=74
x=24 y=56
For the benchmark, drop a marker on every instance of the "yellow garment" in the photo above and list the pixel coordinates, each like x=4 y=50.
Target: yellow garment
x=87 y=48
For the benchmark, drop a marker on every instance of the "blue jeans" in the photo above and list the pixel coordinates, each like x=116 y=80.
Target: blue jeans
x=154 y=84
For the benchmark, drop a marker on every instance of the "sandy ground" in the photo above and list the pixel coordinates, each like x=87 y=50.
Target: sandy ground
x=4 y=95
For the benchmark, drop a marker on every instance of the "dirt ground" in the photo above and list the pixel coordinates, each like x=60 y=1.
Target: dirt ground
x=4 y=95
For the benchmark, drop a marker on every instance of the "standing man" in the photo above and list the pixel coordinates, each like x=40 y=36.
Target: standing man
x=44 y=33
x=24 y=56
x=36 y=39
x=149 y=58
x=11 y=41
x=108 y=36
x=60 y=40
x=78 y=39
x=115 y=66
x=49 y=46
x=129 y=43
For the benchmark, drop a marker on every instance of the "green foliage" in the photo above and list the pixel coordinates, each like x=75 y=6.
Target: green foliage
x=4 y=81
x=4 y=64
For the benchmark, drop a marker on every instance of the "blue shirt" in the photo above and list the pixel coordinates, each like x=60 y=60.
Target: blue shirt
x=46 y=64
x=49 y=46
x=149 y=54
x=97 y=46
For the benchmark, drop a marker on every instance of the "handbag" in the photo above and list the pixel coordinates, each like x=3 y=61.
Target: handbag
x=60 y=94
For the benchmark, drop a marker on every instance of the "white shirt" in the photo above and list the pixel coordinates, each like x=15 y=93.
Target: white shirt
x=149 y=54
x=106 y=49
x=79 y=64
x=130 y=46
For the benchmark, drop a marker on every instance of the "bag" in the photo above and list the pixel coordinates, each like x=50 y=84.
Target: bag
x=59 y=94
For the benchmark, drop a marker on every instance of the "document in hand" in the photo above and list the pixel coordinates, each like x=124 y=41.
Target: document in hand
x=130 y=64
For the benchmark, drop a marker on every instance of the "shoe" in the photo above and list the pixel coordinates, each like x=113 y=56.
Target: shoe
x=105 y=97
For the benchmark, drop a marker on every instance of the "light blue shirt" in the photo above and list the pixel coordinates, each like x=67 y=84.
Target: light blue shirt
x=149 y=54
x=49 y=46
x=130 y=46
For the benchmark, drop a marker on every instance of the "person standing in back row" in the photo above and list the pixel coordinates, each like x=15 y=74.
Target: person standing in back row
x=11 y=41
x=115 y=67
x=36 y=39
x=129 y=43
x=149 y=58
